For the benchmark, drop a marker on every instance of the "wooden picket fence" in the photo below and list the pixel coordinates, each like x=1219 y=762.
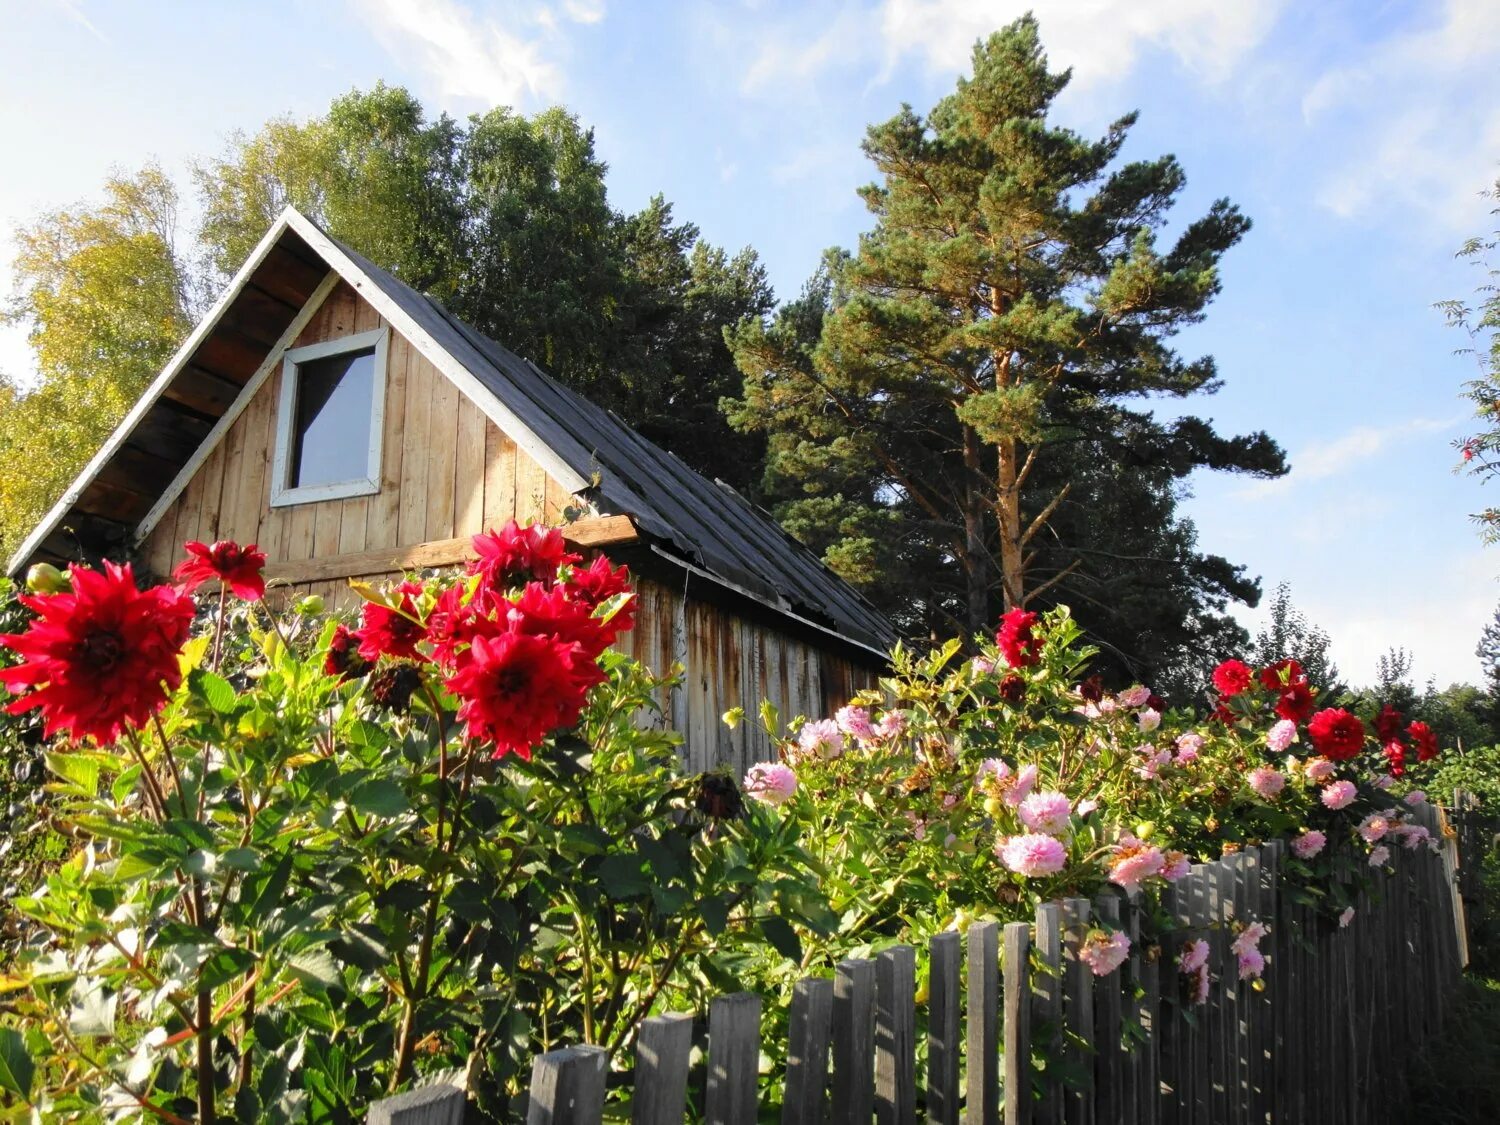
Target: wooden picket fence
x=1018 y=1030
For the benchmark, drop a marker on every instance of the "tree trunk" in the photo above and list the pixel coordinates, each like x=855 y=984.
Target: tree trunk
x=1008 y=511
x=976 y=568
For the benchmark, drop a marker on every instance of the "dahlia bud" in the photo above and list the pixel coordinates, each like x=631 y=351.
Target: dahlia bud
x=310 y=605
x=719 y=797
x=44 y=578
x=391 y=686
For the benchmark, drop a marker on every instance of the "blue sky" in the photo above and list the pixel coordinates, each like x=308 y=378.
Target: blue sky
x=1358 y=135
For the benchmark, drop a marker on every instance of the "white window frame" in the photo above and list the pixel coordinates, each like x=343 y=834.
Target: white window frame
x=282 y=492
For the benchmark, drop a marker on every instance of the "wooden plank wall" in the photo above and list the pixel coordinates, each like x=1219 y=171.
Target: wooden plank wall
x=446 y=469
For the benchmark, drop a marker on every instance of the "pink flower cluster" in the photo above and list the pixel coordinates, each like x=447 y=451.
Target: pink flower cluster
x=1132 y=861
x=995 y=779
x=1266 y=782
x=1104 y=953
x=1246 y=948
x=821 y=738
x=1192 y=963
x=1048 y=813
x=1309 y=844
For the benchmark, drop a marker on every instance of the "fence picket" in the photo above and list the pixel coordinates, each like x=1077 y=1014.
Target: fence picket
x=662 y=1049
x=854 y=1043
x=733 y=1059
x=896 y=1036
x=428 y=1105
x=808 y=1034
x=1109 y=1100
x=567 y=1087
x=943 y=1024
x=1078 y=1015
x=1047 y=1005
x=982 y=1078
x=1017 y=1024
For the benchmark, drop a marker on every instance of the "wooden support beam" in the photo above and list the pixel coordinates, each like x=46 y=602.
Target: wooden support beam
x=602 y=531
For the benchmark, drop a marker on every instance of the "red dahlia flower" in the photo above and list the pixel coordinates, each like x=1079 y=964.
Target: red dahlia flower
x=1336 y=734
x=343 y=658
x=390 y=632
x=515 y=555
x=1424 y=739
x=1018 y=644
x=515 y=689
x=1395 y=756
x=237 y=567
x=100 y=657
x=1013 y=689
x=1232 y=677
x=1281 y=675
x=595 y=584
x=1295 y=703
x=1388 y=724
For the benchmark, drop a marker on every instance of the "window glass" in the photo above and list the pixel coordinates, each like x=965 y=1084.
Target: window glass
x=331 y=438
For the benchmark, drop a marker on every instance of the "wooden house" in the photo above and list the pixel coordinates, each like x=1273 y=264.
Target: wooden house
x=354 y=428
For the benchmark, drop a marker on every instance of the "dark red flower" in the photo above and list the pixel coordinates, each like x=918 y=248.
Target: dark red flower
x=393 y=632
x=515 y=689
x=515 y=555
x=1018 y=644
x=1395 y=756
x=1013 y=689
x=1295 y=703
x=1232 y=677
x=455 y=620
x=596 y=584
x=1092 y=689
x=237 y=567
x=1424 y=738
x=391 y=685
x=1281 y=675
x=100 y=657
x=1156 y=703
x=719 y=797
x=343 y=658
x=1336 y=734
x=555 y=613
x=1388 y=724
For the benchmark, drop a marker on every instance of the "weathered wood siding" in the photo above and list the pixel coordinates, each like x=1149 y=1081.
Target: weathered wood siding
x=446 y=469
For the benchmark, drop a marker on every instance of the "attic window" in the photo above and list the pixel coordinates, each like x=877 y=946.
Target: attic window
x=328 y=421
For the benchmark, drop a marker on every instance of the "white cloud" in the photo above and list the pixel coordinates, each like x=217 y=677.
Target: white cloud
x=1414 y=126
x=1341 y=455
x=1101 y=39
x=508 y=58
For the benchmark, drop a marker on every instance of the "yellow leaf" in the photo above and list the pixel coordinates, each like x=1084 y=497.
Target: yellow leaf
x=192 y=654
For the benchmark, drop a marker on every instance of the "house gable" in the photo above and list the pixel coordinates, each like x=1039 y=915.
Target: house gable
x=446 y=470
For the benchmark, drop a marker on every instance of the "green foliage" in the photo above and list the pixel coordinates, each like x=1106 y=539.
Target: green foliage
x=945 y=409
x=1479 y=319
x=106 y=295
x=288 y=900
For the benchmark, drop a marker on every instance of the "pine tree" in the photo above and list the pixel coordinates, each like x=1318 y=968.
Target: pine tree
x=977 y=352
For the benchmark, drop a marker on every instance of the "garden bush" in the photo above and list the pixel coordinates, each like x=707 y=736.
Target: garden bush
x=316 y=863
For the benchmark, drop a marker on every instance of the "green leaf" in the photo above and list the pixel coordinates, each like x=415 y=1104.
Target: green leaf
x=621 y=876
x=782 y=937
x=79 y=771
x=16 y=1068
x=215 y=690
x=315 y=968
x=223 y=966
x=241 y=859
x=379 y=797
x=715 y=913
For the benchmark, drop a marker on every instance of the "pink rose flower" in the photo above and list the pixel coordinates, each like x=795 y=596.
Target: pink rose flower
x=1148 y=719
x=1266 y=782
x=1032 y=854
x=1319 y=769
x=1282 y=735
x=770 y=782
x=1048 y=813
x=1134 y=696
x=855 y=722
x=1104 y=953
x=1309 y=844
x=1339 y=794
x=1380 y=856
x=821 y=739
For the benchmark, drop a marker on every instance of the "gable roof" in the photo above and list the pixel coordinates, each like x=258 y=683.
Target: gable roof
x=704 y=525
